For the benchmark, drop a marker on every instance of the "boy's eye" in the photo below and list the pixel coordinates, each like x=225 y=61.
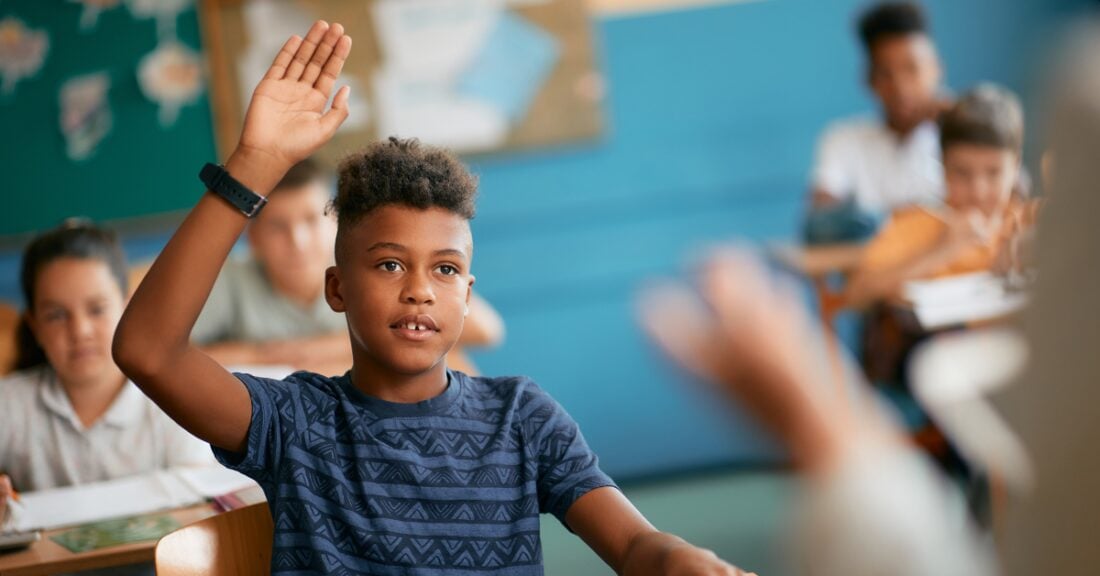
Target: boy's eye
x=390 y=266
x=448 y=270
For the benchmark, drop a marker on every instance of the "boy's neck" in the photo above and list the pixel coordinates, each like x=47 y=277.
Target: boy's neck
x=378 y=381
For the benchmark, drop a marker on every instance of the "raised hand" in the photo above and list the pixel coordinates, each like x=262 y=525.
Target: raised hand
x=751 y=335
x=286 y=119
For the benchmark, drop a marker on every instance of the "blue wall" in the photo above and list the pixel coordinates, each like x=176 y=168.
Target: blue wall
x=713 y=114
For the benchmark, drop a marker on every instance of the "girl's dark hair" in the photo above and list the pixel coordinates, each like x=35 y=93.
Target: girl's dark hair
x=73 y=239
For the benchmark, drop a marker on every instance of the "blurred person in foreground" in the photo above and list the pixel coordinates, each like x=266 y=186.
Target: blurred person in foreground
x=872 y=504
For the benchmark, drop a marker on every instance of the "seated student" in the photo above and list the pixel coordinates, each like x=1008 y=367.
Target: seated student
x=982 y=142
x=866 y=167
x=69 y=415
x=270 y=308
x=399 y=466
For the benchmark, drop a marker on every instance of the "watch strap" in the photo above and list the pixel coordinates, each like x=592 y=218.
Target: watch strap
x=219 y=181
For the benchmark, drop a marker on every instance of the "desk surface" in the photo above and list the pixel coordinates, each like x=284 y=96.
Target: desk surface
x=818 y=261
x=49 y=557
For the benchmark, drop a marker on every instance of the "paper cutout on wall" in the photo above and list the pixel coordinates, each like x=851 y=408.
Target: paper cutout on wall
x=512 y=66
x=89 y=17
x=22 y=52
x=269 y=24
x=171 y=76
x=165 y=12
x=86 y=117
x=428 y=44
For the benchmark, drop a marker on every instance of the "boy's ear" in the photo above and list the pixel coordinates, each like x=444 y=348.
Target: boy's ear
x=333 y=293
x=469 y=293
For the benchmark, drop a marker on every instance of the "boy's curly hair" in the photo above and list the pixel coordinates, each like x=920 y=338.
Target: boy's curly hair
x=403 y=172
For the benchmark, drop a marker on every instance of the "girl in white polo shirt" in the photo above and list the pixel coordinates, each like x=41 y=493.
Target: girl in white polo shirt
x=68 y=415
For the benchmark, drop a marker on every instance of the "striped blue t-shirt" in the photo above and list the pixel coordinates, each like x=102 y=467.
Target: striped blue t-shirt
x=451 y=485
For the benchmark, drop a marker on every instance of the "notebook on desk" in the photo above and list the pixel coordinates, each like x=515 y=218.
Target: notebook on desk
x=962 y=299
x=123 y=497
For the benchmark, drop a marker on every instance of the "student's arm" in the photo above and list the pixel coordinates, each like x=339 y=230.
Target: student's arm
x=873 y=283
x=5 y=493
x=286 y=122
x=483 y=326
x=822 y=198
x=623 y=538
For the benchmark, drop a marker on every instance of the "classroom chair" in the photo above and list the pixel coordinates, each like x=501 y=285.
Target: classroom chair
x=236 y=543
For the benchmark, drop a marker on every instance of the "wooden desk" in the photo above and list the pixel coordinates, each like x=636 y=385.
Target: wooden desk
x=49 y=557
x=818 y=264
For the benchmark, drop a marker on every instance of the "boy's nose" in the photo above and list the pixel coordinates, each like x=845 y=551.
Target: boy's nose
x=417 y=290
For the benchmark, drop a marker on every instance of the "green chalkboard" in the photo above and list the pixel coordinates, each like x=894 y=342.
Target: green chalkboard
x=140 y=168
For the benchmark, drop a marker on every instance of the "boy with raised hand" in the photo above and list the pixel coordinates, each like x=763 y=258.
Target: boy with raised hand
x=400 y=466
x=269 y=308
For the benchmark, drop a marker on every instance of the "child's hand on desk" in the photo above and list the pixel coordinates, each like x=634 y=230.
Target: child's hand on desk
x=9 y=504
x=693 y=561
x=5 y=493
x=286 y=119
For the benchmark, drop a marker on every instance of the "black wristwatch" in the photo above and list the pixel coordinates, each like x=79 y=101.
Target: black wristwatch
x=219 y=181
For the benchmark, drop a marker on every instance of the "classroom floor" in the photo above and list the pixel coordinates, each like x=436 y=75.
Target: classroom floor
x=737 y=514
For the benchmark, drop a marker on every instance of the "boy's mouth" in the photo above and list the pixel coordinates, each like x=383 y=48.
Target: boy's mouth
x=415 y=327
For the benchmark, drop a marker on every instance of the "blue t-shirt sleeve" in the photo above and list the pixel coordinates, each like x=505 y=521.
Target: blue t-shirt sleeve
x=267 y=432
x=567 y=467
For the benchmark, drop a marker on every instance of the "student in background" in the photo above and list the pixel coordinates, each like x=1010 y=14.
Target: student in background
x=69 y=415
x=866 y=167
x=982 y=142
x=399 y=466
x=270 y=308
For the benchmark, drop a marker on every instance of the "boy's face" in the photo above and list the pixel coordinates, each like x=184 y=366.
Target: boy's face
x=403 y=279
x=77 y=305
x=979 y=177
x=905 y=74
x=292 y=236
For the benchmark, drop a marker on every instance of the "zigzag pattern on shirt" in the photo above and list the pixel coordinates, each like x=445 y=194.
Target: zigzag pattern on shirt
x=414 y=509
x=340 y=447
x=410 y=550
x=453 y=443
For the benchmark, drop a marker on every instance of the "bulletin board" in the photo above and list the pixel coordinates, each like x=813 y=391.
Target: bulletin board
x=84 y=134
x=476 y=76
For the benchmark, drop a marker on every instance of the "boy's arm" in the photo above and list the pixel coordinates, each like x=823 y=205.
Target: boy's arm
x=882 y=278
x=619 y=534
x=286 y=121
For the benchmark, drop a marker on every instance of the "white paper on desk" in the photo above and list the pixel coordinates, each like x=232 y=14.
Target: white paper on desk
x=211 y=481
x=59 y=507
x=962 y=299
x=954 y=289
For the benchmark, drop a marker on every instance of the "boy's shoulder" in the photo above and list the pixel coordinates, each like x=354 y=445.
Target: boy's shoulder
x=854 y=129
x=521 y=389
